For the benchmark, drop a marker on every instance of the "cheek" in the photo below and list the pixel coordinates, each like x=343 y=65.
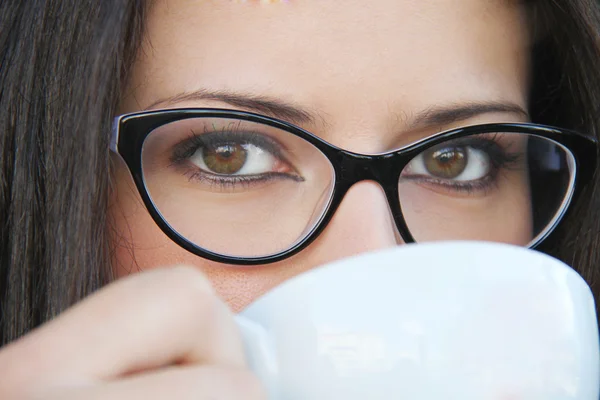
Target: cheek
x=141 y=245
x=504 y=215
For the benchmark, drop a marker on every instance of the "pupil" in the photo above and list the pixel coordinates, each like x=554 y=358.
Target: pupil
x=225 y=152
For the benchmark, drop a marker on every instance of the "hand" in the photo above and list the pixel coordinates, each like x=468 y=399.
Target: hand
x=161 y=334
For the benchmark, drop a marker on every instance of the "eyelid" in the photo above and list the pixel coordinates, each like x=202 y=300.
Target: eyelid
x=186 y=147
x=247 y=136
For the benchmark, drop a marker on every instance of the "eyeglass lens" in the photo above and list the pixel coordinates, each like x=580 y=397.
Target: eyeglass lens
x=245 y=189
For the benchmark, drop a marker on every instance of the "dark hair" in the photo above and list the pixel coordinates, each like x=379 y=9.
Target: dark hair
x=62 y=66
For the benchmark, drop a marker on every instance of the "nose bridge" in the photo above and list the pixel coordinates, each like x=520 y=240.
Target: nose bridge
x=355 y=168
x=379 y=169
x=363 y=222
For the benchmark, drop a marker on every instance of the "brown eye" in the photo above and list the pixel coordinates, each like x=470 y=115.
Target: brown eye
x=446 y=162
x=225 y=158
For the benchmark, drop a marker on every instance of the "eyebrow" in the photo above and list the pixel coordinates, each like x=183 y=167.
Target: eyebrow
x=272 y=107
x=289 y=112
x=446 y=115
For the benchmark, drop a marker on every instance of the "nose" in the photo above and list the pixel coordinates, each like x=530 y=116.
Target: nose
x=361 y=223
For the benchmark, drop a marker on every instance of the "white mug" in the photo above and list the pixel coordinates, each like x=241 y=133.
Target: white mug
x=447 y=320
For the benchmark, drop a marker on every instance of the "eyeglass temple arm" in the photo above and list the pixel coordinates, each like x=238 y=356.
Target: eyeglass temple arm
x=114 y=135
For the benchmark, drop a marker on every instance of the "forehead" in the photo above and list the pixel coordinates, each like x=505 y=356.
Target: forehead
x=337 y=55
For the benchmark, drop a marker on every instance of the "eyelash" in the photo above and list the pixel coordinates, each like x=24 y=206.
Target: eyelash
x=186 y=148
x=230 y=182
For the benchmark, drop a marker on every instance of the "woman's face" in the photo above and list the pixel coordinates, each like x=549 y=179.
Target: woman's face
x=372 y=76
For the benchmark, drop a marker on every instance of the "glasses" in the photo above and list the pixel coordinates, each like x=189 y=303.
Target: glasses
x=242 y=188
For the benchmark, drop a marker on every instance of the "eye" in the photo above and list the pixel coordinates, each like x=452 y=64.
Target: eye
x=235 y=159
x=452 y=162
x=471 y=164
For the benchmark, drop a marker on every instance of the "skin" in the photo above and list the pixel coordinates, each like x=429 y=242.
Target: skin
x=398 y=59
x=366 y=70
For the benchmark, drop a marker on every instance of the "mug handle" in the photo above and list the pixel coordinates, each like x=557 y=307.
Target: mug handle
x=260 y=354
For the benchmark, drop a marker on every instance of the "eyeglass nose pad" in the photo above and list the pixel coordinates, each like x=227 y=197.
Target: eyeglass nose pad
x=324 y=198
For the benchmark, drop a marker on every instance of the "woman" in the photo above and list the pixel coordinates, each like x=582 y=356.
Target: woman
x=260 y=185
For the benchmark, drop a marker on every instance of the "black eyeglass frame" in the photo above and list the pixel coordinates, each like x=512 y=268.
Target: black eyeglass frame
x=131 y=130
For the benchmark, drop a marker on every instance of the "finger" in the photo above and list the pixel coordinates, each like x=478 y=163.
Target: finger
x=141 y=322
x=182 y=383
